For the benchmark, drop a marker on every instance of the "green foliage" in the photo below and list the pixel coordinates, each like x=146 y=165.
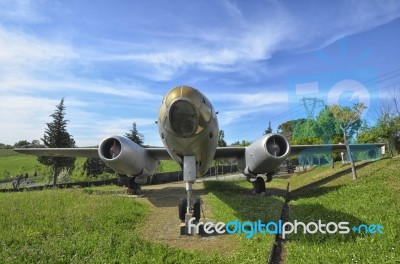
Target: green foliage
x=135 y=136
x=95 y=166
x=268 y=130
x=5 y=146
x=22 y=144
x=348 y=118
x=57 y=136
x=287 y=127
x=221 y=140
x=306 y=133
x=327 y=127
x=64 y=176
x=244 y=143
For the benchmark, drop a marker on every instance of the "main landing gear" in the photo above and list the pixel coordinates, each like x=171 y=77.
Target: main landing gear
x=259 y=185
x=133 y=187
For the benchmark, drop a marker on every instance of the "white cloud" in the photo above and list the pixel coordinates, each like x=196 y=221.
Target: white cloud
x=24 y=117
x=23 y=50
x=21 y=11
x=239 y=105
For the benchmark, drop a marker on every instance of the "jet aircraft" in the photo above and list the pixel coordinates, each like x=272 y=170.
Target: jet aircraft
x=188 y=127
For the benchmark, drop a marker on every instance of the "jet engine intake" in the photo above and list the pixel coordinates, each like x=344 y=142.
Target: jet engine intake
x=266 y=154
x=126 y=157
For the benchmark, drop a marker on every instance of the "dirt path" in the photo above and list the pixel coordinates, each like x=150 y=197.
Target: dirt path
x=162 y=226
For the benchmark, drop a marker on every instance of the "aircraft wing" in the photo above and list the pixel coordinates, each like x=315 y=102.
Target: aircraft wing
x=229 y=152
x=324 y=148
x=156 y=153
x=60 y=152
x=239 y=152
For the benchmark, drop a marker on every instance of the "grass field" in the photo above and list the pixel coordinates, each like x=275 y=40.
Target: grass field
x=331 y=195
x=79 y=226
x=69 y=226
x=13 y=164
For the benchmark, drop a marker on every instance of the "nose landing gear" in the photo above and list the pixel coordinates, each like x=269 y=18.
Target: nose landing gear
x=195 y=209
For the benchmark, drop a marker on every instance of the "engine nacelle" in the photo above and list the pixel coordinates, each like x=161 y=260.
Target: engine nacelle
x=266 y=154
x=126 y=157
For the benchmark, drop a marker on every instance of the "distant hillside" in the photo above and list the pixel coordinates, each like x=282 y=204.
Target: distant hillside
x=13 y=163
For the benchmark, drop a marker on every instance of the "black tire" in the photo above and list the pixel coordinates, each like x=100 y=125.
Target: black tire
x=132 y=186
x=259 y=185
x=269 y=176
x=197 y=209
x=182 y=206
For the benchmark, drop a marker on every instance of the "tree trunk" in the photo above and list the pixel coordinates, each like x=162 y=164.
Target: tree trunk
x=54 y=176
x=353 y=168
x=56 y=171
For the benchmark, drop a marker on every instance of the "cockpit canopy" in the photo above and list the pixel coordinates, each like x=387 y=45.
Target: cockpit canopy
x=185 y=112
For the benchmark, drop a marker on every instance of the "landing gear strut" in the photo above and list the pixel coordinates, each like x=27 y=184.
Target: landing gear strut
x=133 y=187
x=186 y=209
x=259 y=185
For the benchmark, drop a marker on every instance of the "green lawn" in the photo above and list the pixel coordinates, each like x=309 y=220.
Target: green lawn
x=79 y=225
x=70 y=226
x=331 y=195
x=13 y=164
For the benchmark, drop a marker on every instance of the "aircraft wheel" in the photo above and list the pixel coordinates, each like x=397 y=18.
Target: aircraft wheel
x=259 y=185
x=196 y=209
x=269 y=176
x=132 y=186
x=182 y=206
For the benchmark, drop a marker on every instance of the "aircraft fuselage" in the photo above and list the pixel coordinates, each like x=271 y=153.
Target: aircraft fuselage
x=188 y=126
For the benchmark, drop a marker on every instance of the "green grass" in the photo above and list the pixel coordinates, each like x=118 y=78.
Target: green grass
x=13 y=164
x=79 y=226
x=372 y=199
x=168 y=166
x=70 y=226
x=232 y=200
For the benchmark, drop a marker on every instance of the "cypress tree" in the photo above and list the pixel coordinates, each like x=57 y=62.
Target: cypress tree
x=134 y=135
x=57 y=136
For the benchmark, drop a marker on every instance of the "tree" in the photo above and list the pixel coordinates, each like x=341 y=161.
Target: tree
x=22 y=144
x=327 y=127
x=347 y=118
x=57 y=136
x=244 y=143
x=287 y=127
x=95 y=167
x=221 y=140
x=135 y=136
x=305 y=133
x=268 y=130
x=5 y=146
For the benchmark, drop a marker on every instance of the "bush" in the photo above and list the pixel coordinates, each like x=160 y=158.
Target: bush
x=64 y=176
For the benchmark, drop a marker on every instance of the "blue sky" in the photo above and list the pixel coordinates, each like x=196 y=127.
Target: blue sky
x=114 y=60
